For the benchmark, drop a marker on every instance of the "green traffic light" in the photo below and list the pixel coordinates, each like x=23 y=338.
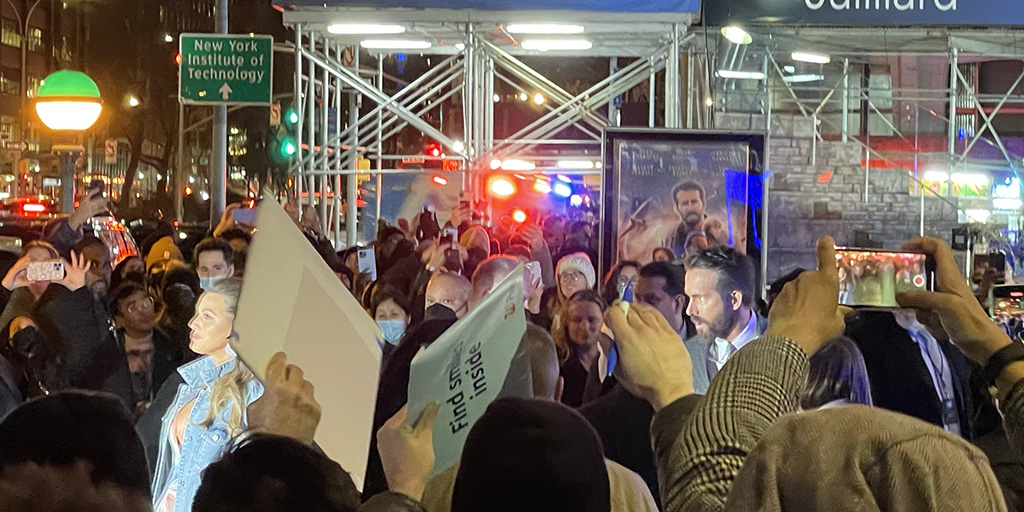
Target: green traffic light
x=291 y=116
x=288 y=148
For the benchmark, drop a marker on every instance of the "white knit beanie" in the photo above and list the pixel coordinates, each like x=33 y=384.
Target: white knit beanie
x=581 y=262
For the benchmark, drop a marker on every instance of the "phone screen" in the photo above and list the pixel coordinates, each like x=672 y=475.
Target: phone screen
x=869 y=277
x=449 y=237
x=1008 y=309
x=367 y=261
x=244 y=216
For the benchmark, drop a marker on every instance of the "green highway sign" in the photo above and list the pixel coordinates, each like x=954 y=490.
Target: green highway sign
x=226 y=69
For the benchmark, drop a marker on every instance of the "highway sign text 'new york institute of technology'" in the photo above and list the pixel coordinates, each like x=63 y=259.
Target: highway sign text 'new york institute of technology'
x=226 y=68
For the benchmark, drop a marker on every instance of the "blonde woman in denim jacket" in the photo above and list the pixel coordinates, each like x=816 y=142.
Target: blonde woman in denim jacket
x=209 y=407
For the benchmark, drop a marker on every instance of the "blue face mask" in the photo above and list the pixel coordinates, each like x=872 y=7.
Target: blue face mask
x=205 y=283
x=392 y=330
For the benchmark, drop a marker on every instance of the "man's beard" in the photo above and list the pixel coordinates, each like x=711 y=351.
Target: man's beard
x=692 y=219
x=719 y=327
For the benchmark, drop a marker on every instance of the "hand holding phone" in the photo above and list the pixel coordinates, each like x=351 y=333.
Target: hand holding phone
x=625 y=298
x=45 y=271
x=873 y=277
x=367 y=260
x=449 y=238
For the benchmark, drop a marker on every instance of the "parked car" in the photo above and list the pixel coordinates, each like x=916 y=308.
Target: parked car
x=17 y=230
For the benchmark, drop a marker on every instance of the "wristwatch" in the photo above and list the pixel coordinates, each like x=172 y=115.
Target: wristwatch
x=1006 y=355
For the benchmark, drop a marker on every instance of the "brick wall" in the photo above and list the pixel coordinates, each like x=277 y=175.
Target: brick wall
x=800 y=208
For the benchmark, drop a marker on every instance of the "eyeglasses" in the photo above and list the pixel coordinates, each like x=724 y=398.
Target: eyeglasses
x=571 y=277
x=624 y=280
x=146 y=305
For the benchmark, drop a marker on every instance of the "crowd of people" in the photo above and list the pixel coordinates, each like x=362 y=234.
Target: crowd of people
x=119 y=389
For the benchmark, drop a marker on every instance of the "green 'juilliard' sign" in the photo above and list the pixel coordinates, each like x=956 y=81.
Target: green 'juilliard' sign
x=226 y=68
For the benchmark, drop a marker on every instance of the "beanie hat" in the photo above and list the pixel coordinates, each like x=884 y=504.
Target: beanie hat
x=527 y=454
x=581 y=262
x=863 y=458
x=164 y=249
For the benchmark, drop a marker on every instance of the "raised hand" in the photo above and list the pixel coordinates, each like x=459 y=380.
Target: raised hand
x=287 y=407
x=17 y=276
x=75 y=271
x=227 y=220
x=963 y=318
x=407 y=451
x=807 y=311
x=653 y=361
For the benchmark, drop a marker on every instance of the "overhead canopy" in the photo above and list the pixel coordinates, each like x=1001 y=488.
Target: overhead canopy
x=606 y=6
x=875 y=13
x=613 y=27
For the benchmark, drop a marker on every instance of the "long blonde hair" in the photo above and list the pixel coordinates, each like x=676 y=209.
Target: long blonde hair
x=560 y=333
x=231 y=391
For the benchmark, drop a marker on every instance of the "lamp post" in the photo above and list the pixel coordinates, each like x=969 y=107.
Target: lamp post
x=68 y=102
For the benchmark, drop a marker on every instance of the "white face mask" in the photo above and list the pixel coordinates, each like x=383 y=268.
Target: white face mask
x=207 y=282
x=392 y=330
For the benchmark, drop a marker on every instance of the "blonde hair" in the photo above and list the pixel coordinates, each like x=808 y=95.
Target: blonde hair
x=563 y=345
x=231 y=391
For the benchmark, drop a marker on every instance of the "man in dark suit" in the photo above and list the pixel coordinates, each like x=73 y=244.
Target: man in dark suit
x=903 y=381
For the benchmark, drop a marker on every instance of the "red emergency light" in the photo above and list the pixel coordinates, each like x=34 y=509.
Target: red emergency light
x=33 y=208
x=439 y=180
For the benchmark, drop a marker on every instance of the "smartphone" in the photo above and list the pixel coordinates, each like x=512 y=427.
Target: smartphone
x=1007 y=309
x=626 y=298
x=449 y=238
x=244 y=216
x=45 y=271
x=367 y=260
x=452 y=260
x=873 y=277
x=531 y=278
x=997 y=260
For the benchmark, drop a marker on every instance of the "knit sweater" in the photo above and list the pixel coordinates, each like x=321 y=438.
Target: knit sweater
x=738 y=448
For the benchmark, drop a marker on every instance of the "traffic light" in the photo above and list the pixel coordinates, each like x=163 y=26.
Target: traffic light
x=433 y=150
x=291 y=117
x=283 y=147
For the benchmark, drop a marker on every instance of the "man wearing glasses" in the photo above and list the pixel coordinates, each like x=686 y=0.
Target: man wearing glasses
x=151 y=355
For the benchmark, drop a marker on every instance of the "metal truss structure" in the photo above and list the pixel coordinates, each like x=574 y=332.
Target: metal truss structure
x=473 y=52
x=955 y=109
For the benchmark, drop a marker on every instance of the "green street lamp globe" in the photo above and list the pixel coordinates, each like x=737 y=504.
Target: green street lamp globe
x=68 y=101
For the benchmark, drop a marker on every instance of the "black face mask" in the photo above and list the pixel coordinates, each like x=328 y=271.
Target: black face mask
x=27 y=344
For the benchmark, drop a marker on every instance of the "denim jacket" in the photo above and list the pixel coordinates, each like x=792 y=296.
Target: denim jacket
x=201 y=446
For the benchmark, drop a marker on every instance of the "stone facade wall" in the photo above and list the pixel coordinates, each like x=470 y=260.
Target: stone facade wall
x=800 y=208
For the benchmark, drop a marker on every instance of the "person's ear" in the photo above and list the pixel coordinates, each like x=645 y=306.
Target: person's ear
x=736 y=300
x=680 y=304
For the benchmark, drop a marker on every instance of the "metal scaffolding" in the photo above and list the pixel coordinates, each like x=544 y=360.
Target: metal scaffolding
x=474 y=52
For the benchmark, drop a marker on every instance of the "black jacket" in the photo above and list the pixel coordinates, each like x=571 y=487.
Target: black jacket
x=900 y=380
x=149 y=425
x=78 y=327
x=623 y=422
x=393 y=393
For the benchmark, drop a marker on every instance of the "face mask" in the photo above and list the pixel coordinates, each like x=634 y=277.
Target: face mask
x=27 y=343
x=392 y=330
x=207 y=282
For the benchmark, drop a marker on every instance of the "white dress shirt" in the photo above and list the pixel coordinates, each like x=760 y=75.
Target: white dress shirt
x=720 y=350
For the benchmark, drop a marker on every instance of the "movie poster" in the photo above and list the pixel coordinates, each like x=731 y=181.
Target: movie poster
x=683 y=195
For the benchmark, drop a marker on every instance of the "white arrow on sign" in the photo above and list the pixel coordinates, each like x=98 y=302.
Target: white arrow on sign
x=225 y=91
